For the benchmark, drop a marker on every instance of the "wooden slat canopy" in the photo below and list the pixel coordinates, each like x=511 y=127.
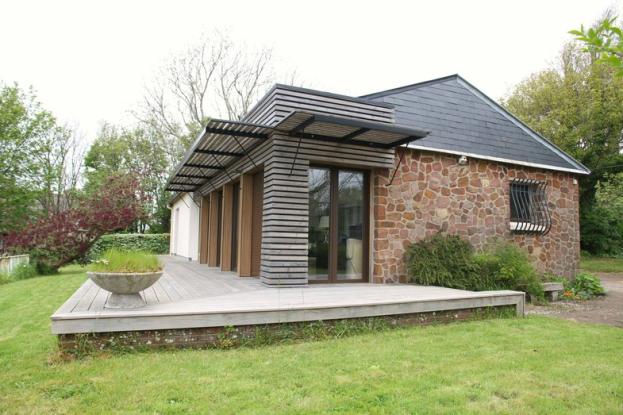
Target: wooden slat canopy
x=347 y=130
x=220 y=144
x=223 y=142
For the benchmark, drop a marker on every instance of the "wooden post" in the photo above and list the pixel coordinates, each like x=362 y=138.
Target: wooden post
x=213 y=252
x=245 y=228
x=226 y=227
x=258 y=205
x=204 y=221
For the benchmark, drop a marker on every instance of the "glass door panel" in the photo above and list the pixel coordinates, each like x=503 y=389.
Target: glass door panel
x=319 y=223
x=350 y=225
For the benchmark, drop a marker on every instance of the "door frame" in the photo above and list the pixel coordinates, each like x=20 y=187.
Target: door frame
x=333 y=231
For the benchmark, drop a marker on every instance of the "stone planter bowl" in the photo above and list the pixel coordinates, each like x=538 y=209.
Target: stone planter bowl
x=124 y=286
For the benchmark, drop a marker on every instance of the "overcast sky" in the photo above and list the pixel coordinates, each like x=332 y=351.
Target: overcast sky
x=90 y=60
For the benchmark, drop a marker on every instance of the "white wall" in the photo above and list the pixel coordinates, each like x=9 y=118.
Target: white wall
x=185 y=228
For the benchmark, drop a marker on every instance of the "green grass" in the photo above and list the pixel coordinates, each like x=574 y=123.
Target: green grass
x=530 y=365
x=115 y=260
x=597 y=264
x=21 y=272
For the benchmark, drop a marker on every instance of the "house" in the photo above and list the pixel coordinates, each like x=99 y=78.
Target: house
x=316 y=187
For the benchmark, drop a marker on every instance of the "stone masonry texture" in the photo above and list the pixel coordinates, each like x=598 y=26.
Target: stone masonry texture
x=432 y=193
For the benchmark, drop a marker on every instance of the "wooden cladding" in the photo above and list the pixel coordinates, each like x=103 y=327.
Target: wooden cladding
x=226 y=226
x=282 y=100
x=213 y=230
x=278 y=211
x=284 y=226
x=256 y=235
x=204 y=224
x=245 y=226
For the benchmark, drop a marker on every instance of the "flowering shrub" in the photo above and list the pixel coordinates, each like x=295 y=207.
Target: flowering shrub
x=584 y=287
x=61 y=238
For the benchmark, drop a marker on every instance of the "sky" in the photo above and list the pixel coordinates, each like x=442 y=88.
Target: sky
x=90 y=61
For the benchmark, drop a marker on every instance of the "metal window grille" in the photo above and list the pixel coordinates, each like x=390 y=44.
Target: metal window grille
x=529 y=211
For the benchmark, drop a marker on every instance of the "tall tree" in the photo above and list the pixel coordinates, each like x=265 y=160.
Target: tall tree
x=35 y=159
x=604 y=40
x=60 y=169
x=214 y=78
x=578 y=104
x=139 y=151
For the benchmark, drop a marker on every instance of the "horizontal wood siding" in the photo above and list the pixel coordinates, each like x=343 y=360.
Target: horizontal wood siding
x=284 y=222
x=282 y=101
x=286 y=194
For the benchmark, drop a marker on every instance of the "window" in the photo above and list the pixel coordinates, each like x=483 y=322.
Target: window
x=529 y=213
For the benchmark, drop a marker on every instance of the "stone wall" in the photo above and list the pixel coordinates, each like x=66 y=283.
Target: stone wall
x=432 y=193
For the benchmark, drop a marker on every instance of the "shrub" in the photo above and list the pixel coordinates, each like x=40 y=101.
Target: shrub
x=445 y=261
x=66 y=236
x=157 y=243
x=20 y=272
x=5 y=278
x=24 y=271
x=601 y=231
x=585 y=286
x=508 y=267
x=115 y=260
x=449 y=261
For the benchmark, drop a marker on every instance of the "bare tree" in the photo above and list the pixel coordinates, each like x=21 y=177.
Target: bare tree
x=214 y=78
x=61 y=161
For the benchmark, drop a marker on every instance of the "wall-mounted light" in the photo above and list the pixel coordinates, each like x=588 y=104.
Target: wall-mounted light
x=462 y=161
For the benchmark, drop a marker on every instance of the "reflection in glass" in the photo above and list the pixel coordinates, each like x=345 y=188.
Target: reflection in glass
x=319 y=223
x=350 y=220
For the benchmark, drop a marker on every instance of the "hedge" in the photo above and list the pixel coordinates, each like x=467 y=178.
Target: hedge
x=157 y=243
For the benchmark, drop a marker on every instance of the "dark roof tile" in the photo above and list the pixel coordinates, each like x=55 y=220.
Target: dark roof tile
x=461 y=119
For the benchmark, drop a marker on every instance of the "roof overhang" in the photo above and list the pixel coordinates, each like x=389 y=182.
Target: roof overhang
x=223 y=142
x=220 y=144
x=347 y=130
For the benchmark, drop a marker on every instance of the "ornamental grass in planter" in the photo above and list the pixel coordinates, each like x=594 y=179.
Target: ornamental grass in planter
x=125 y=274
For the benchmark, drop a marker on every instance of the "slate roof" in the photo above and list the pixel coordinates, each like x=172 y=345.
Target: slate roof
x=463 y=120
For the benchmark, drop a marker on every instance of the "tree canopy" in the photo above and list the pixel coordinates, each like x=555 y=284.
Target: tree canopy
x=578 y=105
x=137 y=151
x=38 y=170
x=605 y=41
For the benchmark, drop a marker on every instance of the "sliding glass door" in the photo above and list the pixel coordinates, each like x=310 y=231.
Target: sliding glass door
x=319 y=220
x=338 y=225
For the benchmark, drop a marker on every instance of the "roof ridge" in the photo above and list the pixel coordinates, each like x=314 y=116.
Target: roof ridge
x=495 y=106
x=520 y=124
x=410 y=86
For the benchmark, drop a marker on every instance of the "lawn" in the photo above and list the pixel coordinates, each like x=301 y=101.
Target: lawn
x=529 y=365
x=598 y=264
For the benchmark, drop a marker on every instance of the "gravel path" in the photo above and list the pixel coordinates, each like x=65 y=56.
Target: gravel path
x=606 y=309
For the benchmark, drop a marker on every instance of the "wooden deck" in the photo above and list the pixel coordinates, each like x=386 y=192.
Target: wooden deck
x=190 y=295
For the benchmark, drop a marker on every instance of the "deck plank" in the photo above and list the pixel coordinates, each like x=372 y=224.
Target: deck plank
x=168 y=285
x=193 y=295
x=161 y=293
x=99 y=301
x=149 y=295
x=71 y=302
x=87 y=298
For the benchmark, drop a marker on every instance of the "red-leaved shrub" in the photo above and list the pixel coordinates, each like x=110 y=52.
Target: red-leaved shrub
x=61 y=238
